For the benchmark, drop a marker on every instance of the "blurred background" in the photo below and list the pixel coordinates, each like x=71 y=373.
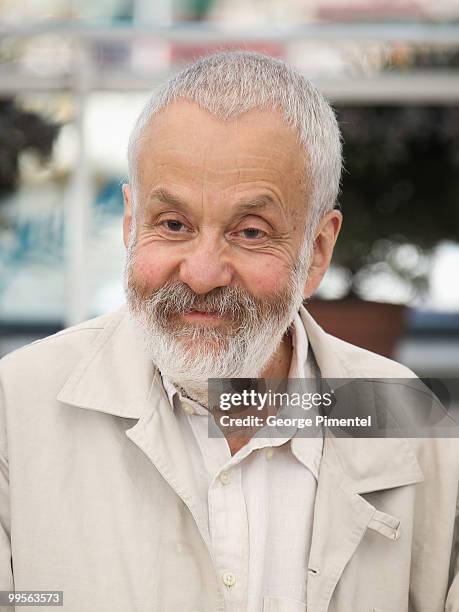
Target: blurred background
x=74 y=76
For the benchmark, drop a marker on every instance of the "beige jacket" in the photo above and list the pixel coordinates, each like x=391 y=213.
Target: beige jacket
x=97 y=497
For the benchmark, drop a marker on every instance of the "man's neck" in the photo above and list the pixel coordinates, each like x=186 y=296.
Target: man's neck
x=279 y=365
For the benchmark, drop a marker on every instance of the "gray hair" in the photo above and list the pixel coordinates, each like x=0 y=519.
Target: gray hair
x=229 y=84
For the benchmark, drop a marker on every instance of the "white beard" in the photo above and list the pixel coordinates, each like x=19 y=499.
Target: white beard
x=191 y=354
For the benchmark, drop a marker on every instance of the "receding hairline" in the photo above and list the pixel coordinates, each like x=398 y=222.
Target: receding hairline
x=303 y=167
x=183 y=102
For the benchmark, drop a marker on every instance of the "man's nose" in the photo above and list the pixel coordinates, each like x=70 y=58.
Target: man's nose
x=205 y=267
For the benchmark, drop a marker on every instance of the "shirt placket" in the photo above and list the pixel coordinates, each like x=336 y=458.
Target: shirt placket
x=228 y=524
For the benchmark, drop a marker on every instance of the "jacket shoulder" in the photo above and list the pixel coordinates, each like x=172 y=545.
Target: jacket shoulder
x=63 y=348
x=340 y=359
x=364 y=363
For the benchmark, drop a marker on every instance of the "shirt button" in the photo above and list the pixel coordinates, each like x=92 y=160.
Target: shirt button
x=269 y=453
x=229 y=579
x=225 y=478
x=188 y=408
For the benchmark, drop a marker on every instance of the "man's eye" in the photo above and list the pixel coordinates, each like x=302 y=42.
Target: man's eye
x=173 y=225
x=252 y=233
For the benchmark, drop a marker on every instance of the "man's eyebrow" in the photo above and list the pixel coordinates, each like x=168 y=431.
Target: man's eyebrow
x=166 y=197
x=250 y=203
x=259 y=202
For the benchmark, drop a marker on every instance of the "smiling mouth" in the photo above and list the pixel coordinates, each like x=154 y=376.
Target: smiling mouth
x=202 y=315
x=206 y=318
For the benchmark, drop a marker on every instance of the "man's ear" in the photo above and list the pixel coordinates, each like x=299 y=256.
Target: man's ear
x=127 y=215
x=324 y=243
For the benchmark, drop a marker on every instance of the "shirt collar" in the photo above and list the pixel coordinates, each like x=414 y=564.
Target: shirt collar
x=298 y=365
x=177 y=399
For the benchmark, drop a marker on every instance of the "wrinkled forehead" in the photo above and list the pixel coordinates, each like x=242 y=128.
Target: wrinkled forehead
x=188 y=144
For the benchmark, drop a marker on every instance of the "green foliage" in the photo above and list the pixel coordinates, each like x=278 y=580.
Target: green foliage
x=401 y=183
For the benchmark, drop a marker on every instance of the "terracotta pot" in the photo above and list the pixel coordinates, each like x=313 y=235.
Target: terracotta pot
x=374 y=326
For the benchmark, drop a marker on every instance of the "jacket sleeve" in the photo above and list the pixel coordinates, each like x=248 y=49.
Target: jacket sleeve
x=6 y=572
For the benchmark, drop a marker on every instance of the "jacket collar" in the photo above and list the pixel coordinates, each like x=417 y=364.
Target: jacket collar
x=117 y=377
x=374 y=463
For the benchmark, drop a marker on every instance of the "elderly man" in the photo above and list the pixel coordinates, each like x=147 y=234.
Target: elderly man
x=111 y=489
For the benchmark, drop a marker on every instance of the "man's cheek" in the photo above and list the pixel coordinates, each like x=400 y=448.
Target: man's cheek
x=266 y=278
x=151 y=272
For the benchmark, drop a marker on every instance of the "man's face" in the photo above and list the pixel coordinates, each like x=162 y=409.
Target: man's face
x=220 y=220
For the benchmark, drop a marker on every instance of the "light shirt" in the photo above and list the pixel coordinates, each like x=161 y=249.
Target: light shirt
x=259 y=503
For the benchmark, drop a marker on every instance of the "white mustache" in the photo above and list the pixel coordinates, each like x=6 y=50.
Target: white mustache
x=177 y=298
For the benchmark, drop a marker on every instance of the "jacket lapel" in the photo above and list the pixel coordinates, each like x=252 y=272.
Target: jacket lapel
x=341 y=514
x=158 y=435
x=118 y=378
x=349 y=468
x=340 y=521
